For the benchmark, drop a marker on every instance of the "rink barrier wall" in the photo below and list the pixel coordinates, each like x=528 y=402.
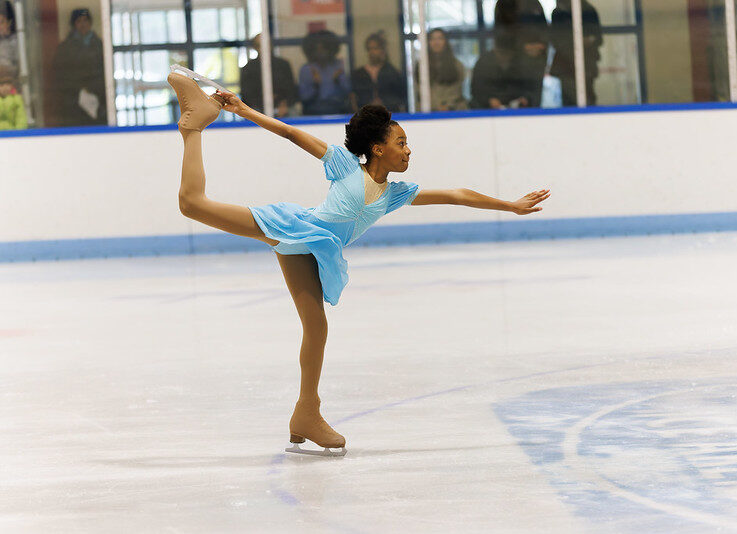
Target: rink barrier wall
x=103 y=195
x=388 y=235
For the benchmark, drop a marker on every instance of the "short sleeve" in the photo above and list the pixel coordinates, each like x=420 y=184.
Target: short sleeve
x=338 y=162
x=402 y=193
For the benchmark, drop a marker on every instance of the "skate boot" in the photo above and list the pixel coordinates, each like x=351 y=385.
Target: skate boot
x=307 y=423
x=198 y=109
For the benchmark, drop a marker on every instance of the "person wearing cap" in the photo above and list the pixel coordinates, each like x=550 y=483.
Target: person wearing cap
x=80 y=74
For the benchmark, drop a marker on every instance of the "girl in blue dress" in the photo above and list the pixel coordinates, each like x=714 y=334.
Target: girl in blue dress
x=309 y=242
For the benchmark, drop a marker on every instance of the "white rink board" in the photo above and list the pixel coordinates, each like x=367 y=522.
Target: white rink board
x=597 y=165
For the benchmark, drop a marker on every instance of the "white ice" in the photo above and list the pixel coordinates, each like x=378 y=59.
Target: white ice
x=545 y=386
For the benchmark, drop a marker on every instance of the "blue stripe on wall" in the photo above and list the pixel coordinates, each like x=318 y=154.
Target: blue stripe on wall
x=342 y=119
x=416 y=234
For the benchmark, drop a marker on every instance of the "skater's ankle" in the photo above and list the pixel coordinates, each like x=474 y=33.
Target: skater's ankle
x=186 y=132
x=308 y=400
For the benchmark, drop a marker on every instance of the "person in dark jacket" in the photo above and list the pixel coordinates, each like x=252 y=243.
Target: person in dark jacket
x=285 y=91
x=524 y=22
x=561 y=28
x=498 y=81
x=378 y=82
x=79 y=74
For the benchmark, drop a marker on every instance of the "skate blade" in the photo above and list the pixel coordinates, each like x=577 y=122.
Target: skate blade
x=326 y=452
x=197 y=77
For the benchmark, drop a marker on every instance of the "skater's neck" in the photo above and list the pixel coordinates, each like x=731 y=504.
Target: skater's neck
x=376 y=171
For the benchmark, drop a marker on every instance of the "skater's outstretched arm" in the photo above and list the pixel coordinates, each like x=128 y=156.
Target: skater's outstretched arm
x=313 y=145
x=473 y=199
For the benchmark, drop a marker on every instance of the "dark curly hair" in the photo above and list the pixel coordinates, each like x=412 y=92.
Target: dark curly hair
x=366 y=128
x=326 y=38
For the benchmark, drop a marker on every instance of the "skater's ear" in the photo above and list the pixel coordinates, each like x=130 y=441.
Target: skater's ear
x=377 y=150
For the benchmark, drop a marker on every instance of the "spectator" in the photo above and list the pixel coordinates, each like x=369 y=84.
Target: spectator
x=282 y=83
x=561 y=28
x=12 y=110
x=498 y=81
x=79 y=73
x=447 y=74
x=8 y=41
x=378 y=82
x=323 y=84
x=524 y=22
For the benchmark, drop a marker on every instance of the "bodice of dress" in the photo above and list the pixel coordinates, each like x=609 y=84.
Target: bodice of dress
x=344 y=207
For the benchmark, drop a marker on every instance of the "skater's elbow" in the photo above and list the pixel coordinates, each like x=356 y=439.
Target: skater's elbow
x=185 y=205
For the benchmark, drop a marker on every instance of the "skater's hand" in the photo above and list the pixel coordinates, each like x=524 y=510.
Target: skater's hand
x=524 y=205
x=229 y=101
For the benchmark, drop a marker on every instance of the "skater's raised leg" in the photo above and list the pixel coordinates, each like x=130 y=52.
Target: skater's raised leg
x=302 y=278
x=199 y=110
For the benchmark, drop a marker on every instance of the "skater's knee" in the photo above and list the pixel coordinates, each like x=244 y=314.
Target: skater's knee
x=316 y=327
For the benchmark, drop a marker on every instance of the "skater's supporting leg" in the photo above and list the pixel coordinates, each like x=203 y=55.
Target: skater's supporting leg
x=194 y=204
x=302 y=278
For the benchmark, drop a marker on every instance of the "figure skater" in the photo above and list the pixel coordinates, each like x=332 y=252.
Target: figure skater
x=309 y=242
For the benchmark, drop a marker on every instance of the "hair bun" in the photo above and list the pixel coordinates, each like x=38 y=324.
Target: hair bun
x=366 y=128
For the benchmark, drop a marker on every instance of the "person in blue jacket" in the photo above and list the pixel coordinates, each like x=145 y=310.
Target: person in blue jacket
x=309 y=242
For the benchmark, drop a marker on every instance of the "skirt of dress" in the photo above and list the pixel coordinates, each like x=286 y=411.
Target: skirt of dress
x=299 y=232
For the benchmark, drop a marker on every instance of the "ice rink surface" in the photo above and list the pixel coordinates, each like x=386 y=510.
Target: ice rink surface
x=556 y=386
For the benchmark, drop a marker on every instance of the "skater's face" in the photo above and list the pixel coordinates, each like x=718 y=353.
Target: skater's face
x=394 y=151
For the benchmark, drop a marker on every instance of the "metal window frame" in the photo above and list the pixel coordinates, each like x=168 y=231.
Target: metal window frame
x=187 y=47
x=267 y=25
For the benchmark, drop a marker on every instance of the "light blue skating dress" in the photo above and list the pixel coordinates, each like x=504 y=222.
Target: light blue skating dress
x=343 y=216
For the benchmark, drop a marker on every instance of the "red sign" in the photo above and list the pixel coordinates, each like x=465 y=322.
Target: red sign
x=314 y=7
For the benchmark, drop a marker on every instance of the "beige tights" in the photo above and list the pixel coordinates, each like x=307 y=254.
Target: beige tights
x=303 y=281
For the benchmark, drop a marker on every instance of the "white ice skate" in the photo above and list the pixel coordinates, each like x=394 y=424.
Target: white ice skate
x=326 y=452
x=197 y=77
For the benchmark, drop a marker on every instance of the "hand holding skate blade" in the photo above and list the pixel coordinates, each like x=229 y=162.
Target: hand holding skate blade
x=197 y=77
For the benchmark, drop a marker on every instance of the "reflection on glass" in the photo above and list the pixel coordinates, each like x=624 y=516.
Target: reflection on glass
x=13 y=113
x=489 y=7
x=284 y=88
x=141 y=86
x=447 y=73
x=619 y=76
x=323 y=83
x=205 y=26
x=451 y=13
x=227 y=23
x=378 y=81
x=220 y=65
x=616 y=12
x=312 y=37
x=79 y=74
x=153 y=27
x=561 y=37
